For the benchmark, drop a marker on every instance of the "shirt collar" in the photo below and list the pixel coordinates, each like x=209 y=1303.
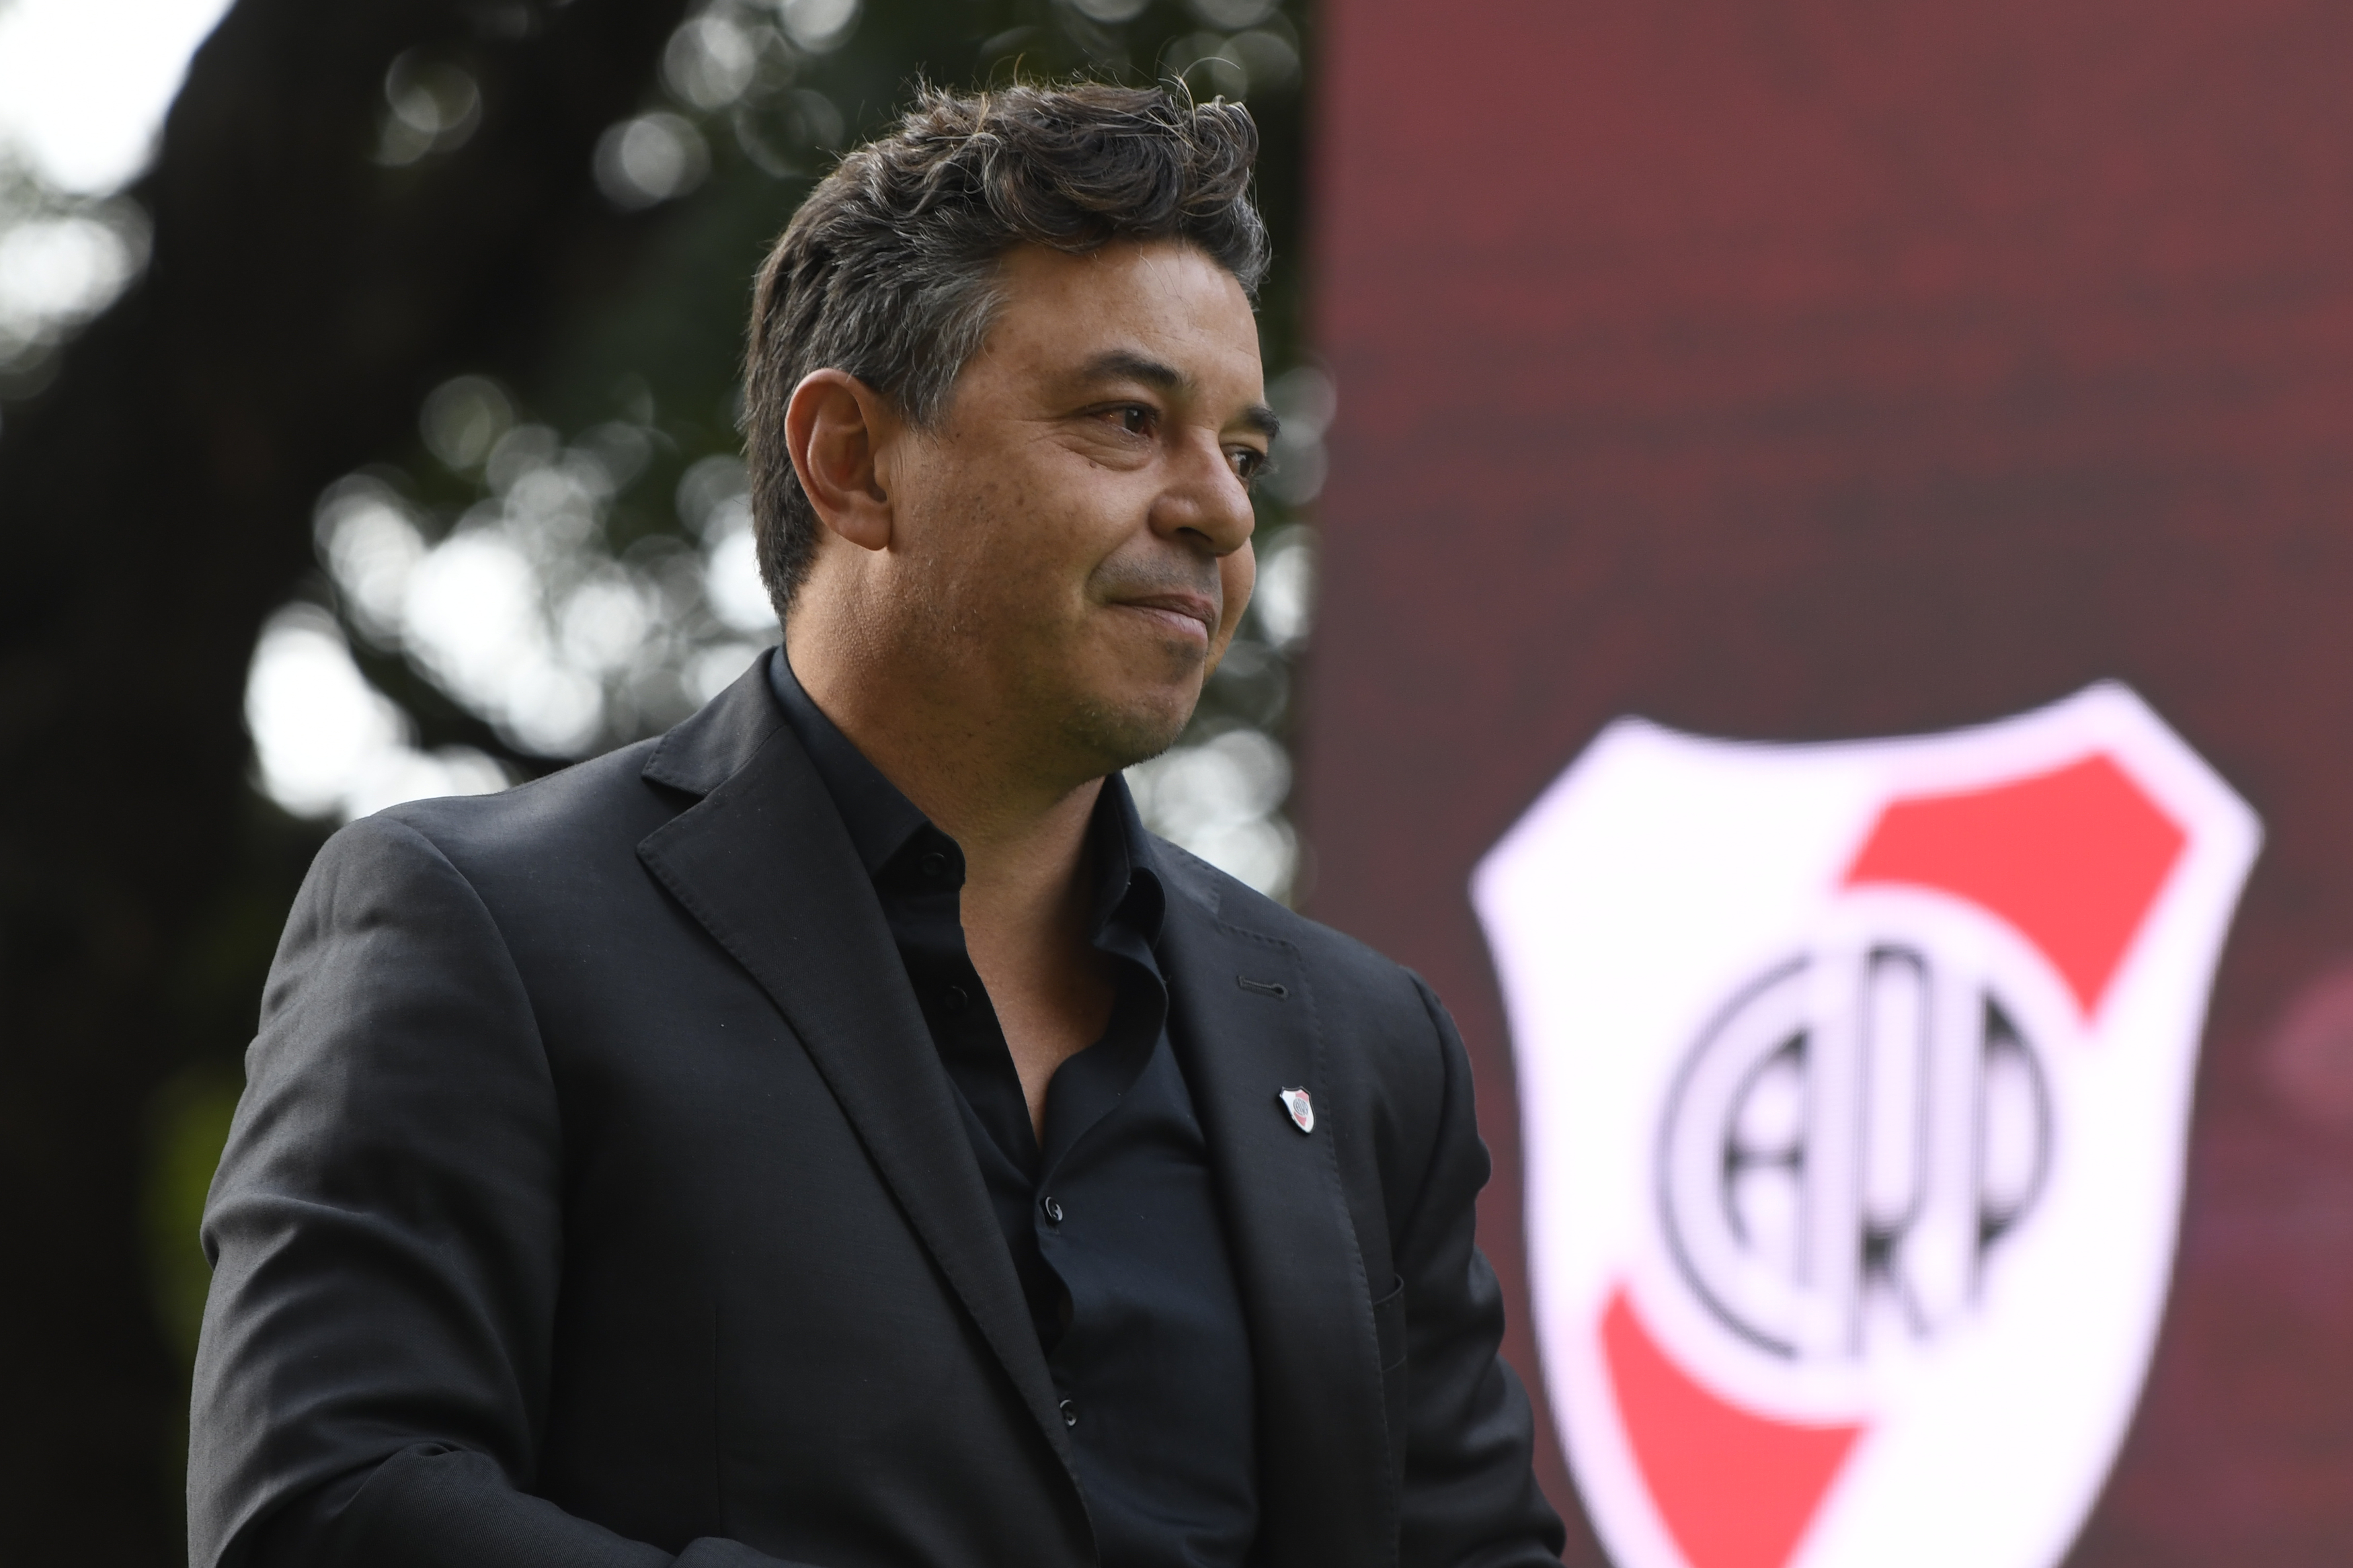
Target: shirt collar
x=880 y=820
x=1128 y=885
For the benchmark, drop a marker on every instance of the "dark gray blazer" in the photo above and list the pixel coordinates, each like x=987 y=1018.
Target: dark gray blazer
x=598 y=1194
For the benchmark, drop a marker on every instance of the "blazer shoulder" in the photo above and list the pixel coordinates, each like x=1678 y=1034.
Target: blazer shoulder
x=600 y=804
x=1346 y=973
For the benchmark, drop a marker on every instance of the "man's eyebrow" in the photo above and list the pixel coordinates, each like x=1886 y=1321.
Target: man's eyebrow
x=1258 y=417
x=1118 y=363
x=1128 y=365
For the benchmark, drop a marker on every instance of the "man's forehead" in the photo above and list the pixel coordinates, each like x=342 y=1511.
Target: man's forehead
x=1162 y=315
x=1120 y=293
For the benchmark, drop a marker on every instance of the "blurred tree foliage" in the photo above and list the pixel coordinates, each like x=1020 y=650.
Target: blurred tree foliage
x=553 y=209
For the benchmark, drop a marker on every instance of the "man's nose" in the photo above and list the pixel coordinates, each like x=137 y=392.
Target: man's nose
x=1205 y=502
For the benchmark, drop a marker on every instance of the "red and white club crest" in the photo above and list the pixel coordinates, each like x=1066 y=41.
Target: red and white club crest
x=1855 y=1083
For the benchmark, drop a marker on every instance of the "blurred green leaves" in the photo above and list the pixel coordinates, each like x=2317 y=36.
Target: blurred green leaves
x=189 y=1127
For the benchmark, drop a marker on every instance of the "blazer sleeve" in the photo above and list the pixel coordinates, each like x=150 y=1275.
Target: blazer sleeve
x=384 y=1230
x=1469 y=1497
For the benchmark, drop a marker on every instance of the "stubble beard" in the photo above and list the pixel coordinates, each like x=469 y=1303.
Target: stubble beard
x=1079 y=733
x=1117 y=735
x=1076 y=733
x=1112 y=738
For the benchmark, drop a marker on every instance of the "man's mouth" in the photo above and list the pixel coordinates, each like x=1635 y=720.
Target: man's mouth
x=1188 y=615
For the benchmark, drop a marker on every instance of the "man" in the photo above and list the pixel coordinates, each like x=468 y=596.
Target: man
x=835 y=1133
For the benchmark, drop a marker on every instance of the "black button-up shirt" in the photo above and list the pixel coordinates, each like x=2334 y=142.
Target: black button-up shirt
x=1113 y=1218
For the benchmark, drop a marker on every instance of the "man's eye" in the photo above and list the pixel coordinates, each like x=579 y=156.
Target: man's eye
x=1135 y=419
x=1249 y=462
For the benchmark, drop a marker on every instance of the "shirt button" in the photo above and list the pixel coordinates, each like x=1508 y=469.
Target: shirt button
x=1070 y=1412
x=933 y=865
x=1054 y=1208
x=957 y=997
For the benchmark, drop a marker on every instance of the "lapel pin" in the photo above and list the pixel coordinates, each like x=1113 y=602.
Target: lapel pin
x=1302 y=1111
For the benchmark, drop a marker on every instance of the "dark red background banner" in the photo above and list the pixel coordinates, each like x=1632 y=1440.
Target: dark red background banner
x=1796 y=371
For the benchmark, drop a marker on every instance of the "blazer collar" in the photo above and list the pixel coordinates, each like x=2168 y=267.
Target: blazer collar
x=719 y=739
x=1243 y=1019
x=763 y=861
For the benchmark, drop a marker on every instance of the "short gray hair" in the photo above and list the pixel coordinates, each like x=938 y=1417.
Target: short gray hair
x=888 y=270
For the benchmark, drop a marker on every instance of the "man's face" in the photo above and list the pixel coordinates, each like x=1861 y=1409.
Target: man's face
x=1076 y=531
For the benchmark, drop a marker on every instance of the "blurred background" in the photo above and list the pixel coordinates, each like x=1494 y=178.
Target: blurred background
x=1811 y=370
x=1783 y=371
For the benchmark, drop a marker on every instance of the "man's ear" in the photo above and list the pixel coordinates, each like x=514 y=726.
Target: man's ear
x=835 y=428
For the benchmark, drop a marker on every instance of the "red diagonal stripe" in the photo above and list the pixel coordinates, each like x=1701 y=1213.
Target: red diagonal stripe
x=2073 y=859
x=1736 y=1489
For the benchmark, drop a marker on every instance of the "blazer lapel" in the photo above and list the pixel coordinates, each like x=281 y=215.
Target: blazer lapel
x=1321 y=1416
x=763 y=861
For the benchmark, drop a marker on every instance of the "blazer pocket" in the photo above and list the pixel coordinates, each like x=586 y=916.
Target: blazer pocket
x=1388 y=1326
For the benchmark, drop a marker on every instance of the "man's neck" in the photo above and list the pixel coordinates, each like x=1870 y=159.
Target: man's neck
x=1025 y=903
x=1023 y=836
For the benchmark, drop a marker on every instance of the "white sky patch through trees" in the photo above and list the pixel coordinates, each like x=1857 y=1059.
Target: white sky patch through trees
x=84 y=84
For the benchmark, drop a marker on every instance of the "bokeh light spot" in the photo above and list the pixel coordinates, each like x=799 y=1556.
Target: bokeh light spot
x=1232 y=13
x=431 y=106
x=58 y=272
x=652 y=159
x=326 y=744
x=818 y=25
x=1221 y=800
x=709 y=61
x=1283 y=602
x=463 y=418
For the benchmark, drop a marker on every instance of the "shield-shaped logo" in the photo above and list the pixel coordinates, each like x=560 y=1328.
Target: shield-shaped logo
x=1855 y=1082
x=1303 y=1109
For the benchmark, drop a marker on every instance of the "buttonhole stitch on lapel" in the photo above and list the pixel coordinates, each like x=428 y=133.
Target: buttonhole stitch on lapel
x=1263 y=987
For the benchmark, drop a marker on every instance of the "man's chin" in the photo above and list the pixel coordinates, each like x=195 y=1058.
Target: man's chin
x=1116 y=735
